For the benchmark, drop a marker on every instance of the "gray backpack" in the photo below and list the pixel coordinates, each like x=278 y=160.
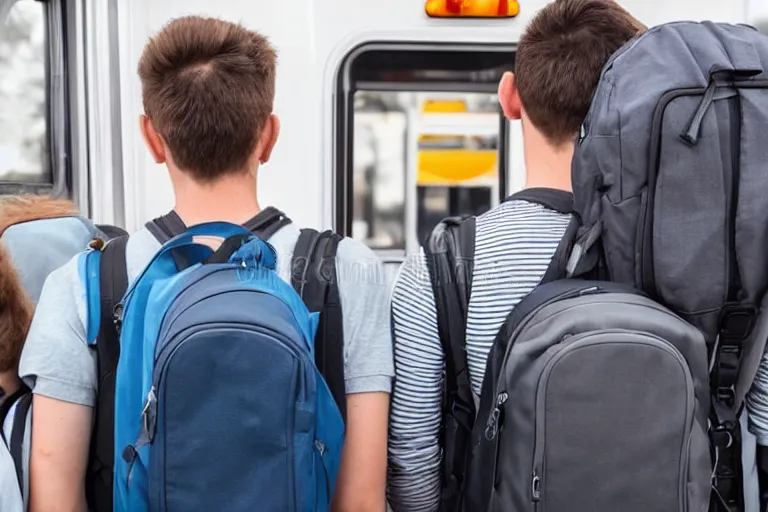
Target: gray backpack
x=670 y=182
x=618 y=384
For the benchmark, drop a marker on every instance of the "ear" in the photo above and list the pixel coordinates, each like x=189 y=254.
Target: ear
x=509 y=98
x=268 y=138
x=152 y=139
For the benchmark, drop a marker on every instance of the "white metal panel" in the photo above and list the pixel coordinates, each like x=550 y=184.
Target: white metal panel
x=312 y=37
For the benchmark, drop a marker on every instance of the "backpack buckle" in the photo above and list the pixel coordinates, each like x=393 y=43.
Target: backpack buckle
x=726 y=395
x=736 y=322
x=722 y=435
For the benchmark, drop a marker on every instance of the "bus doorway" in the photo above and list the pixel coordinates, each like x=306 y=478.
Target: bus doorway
x=420 y=137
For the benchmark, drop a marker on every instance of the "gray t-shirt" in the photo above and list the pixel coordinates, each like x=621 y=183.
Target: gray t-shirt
x=56 y=361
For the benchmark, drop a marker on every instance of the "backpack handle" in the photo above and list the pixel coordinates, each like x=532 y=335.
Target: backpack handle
x=739 y=59
x=163 y=263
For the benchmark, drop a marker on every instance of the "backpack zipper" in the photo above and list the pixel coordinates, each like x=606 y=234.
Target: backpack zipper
x=320 y=447
x=494 y=422
x=644 y=240
x=536 y=489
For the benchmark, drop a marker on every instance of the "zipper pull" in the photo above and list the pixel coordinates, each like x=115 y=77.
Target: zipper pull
x=130 y=455
x=148 y=419
x=492 y=427
x=320 y=447
x=536 y=487
x=692 y=132
x=117 y=317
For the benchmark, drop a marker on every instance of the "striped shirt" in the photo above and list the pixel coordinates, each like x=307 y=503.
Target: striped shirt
x=514 y=244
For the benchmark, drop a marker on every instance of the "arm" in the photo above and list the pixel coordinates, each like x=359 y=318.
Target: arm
x=59 y=456
x=414 y=451
x=363 y=473
x=368 y=371
x=60 y=368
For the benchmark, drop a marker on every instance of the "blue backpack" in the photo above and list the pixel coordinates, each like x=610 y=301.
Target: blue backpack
x=219 y=404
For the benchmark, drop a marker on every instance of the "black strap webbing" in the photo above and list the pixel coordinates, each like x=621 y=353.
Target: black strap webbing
x=450 y=261
x=166 y=227
x=313 y=276
x=113 y=280
x=554 y=199
x=17 y=436
x=559 y=262
x=111 y=231
x=268 y=222
x=7 y=405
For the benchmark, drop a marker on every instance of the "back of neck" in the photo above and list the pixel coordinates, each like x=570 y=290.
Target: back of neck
x=230 y=199
x=547 y=165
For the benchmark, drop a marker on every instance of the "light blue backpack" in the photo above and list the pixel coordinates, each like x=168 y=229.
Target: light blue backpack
x=219 y=404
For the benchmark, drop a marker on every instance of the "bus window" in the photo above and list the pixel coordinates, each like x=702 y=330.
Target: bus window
x=420 y=137
x=28 y=65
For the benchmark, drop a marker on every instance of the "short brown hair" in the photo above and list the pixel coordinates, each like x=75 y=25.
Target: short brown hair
x=560 y=57
x=208 y=87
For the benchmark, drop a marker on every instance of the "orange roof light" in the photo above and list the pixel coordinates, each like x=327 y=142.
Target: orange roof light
x=472 y=8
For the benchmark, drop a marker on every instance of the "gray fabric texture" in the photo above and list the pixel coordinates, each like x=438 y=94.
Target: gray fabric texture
x=608 y=410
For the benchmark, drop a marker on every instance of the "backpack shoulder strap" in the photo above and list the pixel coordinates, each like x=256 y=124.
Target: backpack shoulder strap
x=111 y=231
x=313 y=276
x=558 y=200
x=561 y=202
x=16 y=443
x=113 y=282
x=450 y=260
x=6 y=406
x=268 y=222
x=167 y=226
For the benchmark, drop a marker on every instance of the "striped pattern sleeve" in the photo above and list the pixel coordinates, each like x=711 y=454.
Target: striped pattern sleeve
x=514 y=244
x=414 y=451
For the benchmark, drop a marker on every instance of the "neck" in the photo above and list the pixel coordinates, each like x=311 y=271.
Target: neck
x=231 y=198
x=546 y=165
x=10 y=383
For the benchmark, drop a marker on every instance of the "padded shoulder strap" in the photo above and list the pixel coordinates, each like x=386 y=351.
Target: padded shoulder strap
x=559 y=263
x=111 y=231
x=113 y=281
x=313 y=276
x=166 y=227
x=264 y=225
x=450 y=260
x=267 y=223
x=554 y=199
x=560 y=201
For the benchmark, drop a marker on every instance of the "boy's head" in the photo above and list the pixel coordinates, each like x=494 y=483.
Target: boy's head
x=558 y=64
x=208 y=89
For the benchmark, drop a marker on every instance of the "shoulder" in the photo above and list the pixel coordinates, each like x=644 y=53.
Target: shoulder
x=141 y=247
x=356 y=260
x=519 y=208
x=56 y=360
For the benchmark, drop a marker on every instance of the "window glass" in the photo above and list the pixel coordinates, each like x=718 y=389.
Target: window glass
x=421 y=137
x=438 y=149
x=379 y=162
x=23 y=124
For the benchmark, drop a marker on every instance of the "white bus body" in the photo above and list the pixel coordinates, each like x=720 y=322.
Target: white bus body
x=99 y=159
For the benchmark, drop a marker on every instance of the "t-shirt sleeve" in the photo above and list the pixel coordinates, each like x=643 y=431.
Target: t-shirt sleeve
x=365 y=303
x=56 y=361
